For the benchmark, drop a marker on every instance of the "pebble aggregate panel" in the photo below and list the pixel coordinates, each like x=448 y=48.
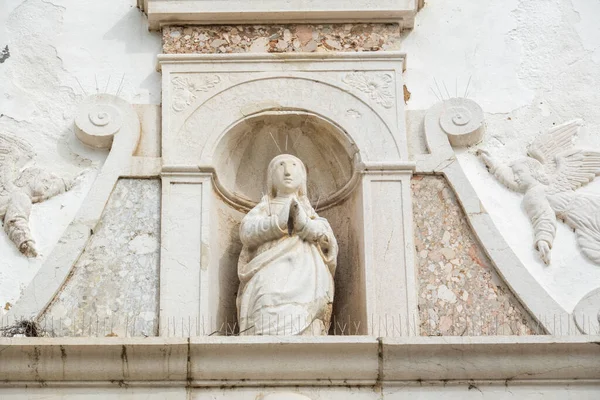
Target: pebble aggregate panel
x=280 y=38
x=460 y=293
x=113 y=289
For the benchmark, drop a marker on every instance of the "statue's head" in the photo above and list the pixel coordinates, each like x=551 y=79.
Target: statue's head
x=528 y=172
x=286 y=175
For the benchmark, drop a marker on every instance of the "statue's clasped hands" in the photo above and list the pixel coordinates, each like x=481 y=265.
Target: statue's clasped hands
x=300 y=223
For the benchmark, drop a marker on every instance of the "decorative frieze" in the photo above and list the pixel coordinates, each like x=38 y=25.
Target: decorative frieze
x=307 y=38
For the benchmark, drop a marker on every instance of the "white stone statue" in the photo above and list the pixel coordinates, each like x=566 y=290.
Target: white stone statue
x=288 y=259
x=20 y=188
x=549 y=178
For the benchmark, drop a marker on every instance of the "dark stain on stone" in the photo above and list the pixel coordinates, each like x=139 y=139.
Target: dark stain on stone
x=4 y=54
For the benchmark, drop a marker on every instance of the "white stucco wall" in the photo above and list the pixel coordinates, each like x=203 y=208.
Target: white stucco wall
x=532 y=63
x=60 y=51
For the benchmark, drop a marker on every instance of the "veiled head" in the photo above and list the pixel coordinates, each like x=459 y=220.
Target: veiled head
x=286 y=175
x=528 y=172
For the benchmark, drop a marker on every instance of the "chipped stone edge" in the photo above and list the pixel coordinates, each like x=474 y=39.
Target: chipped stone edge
x=57 y=267
x=288 y=361
x=442 y=161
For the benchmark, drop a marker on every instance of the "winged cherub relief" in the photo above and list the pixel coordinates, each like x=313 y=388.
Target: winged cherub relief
x=549 y=178
x=20 y=188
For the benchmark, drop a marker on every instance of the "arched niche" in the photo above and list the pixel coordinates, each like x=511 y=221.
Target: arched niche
x=334 y=169
x=195 y=134
x=243 y=154
x=221 y=120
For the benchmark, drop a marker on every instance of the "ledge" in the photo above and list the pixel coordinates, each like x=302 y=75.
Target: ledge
x=241 y=58
x=276 y=361
x=215 y=12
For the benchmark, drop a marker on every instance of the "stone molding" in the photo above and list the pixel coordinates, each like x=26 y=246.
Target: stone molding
x=442 y=161
x=287 y=361
x=210 y=130
x=215 y=12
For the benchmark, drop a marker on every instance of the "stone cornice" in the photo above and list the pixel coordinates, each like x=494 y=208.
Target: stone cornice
x=276 y=361
x=238 y=58
x=209 y=12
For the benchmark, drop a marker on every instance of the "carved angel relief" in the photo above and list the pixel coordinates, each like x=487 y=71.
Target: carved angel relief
x=549 y=178
x=20 y=188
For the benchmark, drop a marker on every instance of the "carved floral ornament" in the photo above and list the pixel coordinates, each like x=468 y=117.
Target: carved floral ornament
x=377 y=87
x=185 y=89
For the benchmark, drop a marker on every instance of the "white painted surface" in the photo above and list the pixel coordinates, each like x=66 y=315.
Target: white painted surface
x=59 y=49
x=533 y=63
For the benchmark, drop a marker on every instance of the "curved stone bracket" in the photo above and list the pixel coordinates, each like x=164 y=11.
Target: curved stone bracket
x=442 y=161
x=103 y=121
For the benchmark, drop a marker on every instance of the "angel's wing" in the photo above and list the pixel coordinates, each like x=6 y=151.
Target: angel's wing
x=588 y=237
x=546 y=147
x=15 y=150
x=574 y=169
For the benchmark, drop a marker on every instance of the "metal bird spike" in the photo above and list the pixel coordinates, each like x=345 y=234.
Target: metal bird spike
x=120 y=84
x=438 y=88
x=274 y=141
x=436 y=95
x=82 y=89
x=447 y=92
x=107 y=83
x=467 y=88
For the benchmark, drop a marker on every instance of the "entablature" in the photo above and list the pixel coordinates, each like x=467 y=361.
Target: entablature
x=215 y=12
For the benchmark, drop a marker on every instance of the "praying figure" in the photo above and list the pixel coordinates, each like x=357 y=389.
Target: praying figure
x=549 y=178
x=20 y=188
x=288 y=259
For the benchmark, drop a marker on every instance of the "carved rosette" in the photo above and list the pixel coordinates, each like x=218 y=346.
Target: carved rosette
x=377 y=87
x=185 y=89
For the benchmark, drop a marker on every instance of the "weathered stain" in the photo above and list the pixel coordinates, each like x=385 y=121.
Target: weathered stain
x=406 y=95
x=124 y=362
x=4 y=54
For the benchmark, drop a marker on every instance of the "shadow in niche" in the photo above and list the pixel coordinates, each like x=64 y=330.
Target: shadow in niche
x=228 y=278
x=349 y=315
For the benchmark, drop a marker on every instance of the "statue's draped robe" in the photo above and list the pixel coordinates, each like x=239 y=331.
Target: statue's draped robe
x=286 y=283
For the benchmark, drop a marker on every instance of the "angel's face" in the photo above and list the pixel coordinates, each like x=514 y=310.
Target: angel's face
x=523 y=176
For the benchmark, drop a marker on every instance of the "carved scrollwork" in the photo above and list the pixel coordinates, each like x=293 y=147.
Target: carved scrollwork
x=463 y=121
x=377 y=87
x=98 y=120
x=185 y=89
